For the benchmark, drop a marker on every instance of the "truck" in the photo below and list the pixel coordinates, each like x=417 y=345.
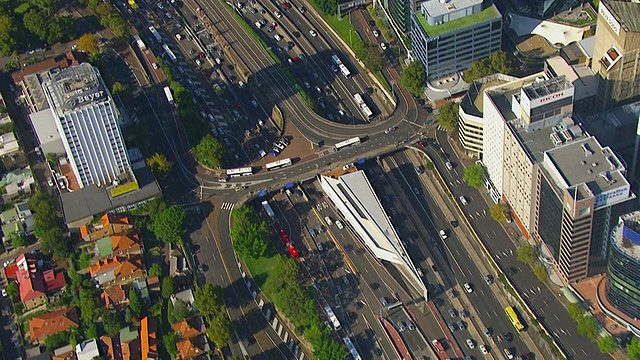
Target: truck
x=169 y=53
x=333 y=319
x=139 y=42
x=267 y=208
x=167 y=93
x=155 y=34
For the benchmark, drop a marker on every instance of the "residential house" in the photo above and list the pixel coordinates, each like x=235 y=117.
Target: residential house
x=52 y=323
x=184 y=295
x=120 y=245
x=148 y=339
x=110 y=224
x=192 y=348
x=190 y=327
x=87 y=350
x=16 y=221
x=10 y=152
x=34 y=283
x=64 y=353
x=37 y=353
x=111 y=271
x=16 y=183
x=114 y=296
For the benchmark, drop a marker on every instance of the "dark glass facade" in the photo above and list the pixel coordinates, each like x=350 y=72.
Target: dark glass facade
x=400 y=11
x=550 y=217
x=623 y=287
x=603 y=222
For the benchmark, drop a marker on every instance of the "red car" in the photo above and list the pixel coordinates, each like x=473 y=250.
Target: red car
x=237 y=105
x=296 y=59
x=421 y=144
x=201 y=55
x=286 y=5
x=438 y=345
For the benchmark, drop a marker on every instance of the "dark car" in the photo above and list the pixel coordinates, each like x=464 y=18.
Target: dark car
x=454 y=223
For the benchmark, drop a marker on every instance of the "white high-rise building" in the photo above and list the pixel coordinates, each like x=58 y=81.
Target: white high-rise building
x=87 y=119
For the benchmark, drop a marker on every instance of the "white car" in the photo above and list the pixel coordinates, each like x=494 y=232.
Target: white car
x=449 y=165
x=468 y=288
x=463 y=200
x=328 y=220
x=258 y=24
x=178 y=36
x=277 y=14
x=375 y=33
x=154 y=66
x=383 y=46
x=313 y=33
x=160 y=6
x=443 y=234
x=277 y=37
x=339 y=225
x=218 y=61
x=508 y=354
x=470 y=344
x=168 y=14
x=484 y=349
x=389 y=129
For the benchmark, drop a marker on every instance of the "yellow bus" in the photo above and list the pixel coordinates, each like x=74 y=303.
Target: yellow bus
x=514 y=318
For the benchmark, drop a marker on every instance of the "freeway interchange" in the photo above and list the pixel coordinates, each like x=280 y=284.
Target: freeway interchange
x=215 y=52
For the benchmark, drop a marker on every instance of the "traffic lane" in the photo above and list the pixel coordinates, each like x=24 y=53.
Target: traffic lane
x=471 y=274
x=555 y=315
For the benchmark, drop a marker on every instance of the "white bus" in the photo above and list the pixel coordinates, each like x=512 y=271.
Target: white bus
x=364 y=108
x=167 y=93
x=347 y=143
x=345 y=72
x=139 y=42
x=352 y=349
x=267 y=208
x=169 y=53
x=155 y=34
x=333 y=319
x=240 y=172
x=278 y=164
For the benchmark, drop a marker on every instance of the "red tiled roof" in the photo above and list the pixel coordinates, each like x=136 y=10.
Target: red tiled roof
x=129 y=243
x=103 y=265
x=11 y=271
x=30 y=284
x=188 y=328
x=190 y=348
x=148 y=340
x=52 y=323
x=54 y=281
x=112 y=346
x=63 y=62
x=113 y=295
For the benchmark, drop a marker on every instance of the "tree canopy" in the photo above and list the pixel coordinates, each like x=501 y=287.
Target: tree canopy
x=474 y=176
x=328 y=7
x=159 y=164
x=209 y=152
x=449 y=116
x=249 y=233
x=220 y=330
x=499 y=213
x=135 y=301
x=181 y=310
x=587 y=327
x=208 y=299
x=8 y=32
x=46 y=226
x=498 y=62
x=541 y=273
x=633 y=349
x=414 y=78
x=371 y=55
x=526 y=254
x=169 y=224
x=168 y=287
x=607 y=345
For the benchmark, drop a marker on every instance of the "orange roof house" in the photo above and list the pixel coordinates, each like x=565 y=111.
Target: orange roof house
x=126 y=244
x=33 y=284
x=190 y=327
x=192 y=348
x=114 y=296
x=52 y=323
x=110 y=345
x=148 y=340
x=110 y=224
x=111 y=271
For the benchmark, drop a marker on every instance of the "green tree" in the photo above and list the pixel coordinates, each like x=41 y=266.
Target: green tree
x=371 y=55
x=8 y=34
x=429 y=165
x=112 y=322
x=117 y=24
x=89 y=43
x=49 y=7
x=169 y=341
x=18 y=241
x=89 y=306
x=13 y=292
x=575 y=311
x=209 y=299
x=541 y=273
x=414 y=78
x=498 y=62
x=633 y=349
x=55 y=341
x=474 y=176
x=155 y=270
x=169 y=225
x=91 y=331
x=209 y=152
x=249 y=233
x=10 y=66
x=37 y=22
x=499 y=213
x=135 y=301
x=526 y=254
x=220 y=330
x=181 y=310
x=449 y=116
x=60 y=28
x=587 y=327
x=168 y=287
x=607 y=345
x=52 y=159
x=159 y=164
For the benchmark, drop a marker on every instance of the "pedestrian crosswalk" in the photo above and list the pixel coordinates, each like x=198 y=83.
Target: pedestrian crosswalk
x=227 y=206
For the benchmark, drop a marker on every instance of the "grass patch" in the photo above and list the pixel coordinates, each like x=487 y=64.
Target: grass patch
x=432 y=31
x=346 y=30
x=383 y=81
x=261 y=268
x=22 y=8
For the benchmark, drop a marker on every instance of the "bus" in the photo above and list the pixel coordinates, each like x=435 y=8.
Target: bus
x=240 y=172
x=333 y=319
x=167 y=93
x=267 y=208
x=139 y=42
x=364 y=108
x=169 y=53
x=278 y=164
x=514 y=318
x=347 y=143
x=155 y=34
x=352 y=349
x=345 y=72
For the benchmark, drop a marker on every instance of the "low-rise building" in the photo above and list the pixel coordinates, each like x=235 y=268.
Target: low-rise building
x=51 y=323
x=35 y=283
x=121 y=245
x=112 y=271
x=192 y=348
x=110 y=224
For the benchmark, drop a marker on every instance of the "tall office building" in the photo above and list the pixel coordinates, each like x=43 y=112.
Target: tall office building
x=564 y=189
x=448 y=35
x=400 y=12
x=623 y=270
x=86 y=118
x=616 y=56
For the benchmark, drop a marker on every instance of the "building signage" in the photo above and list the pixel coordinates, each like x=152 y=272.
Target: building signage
x=124 y=189
x=91 y=97
x=550 y=98
x=608 y=17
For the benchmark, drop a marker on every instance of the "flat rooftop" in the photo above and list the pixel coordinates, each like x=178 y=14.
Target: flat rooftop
x=432 y=31
x=76 y=86
x=580 y=76
x=585 y=161
x=616 y=127
x=538 y=89
x=626 y=12
x=631 y=229
x=437 y=8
